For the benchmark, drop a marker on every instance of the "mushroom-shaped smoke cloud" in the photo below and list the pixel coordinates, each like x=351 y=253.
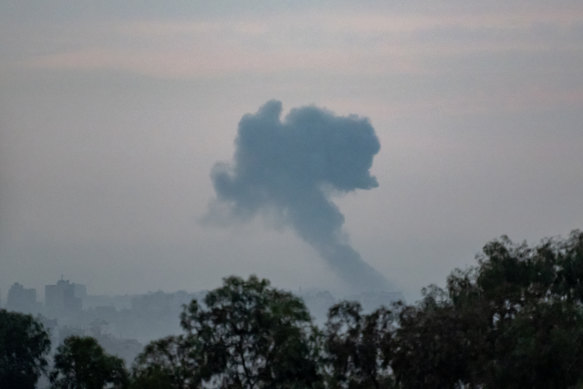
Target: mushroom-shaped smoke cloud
x=292 y=167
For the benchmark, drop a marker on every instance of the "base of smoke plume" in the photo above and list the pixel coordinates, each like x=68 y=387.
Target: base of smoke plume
x=350 y=267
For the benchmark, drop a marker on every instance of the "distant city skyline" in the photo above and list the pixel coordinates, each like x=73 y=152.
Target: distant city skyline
x=124 y=323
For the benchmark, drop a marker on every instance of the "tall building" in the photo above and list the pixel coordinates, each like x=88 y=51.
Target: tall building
x=21 y=299
x=64 y=298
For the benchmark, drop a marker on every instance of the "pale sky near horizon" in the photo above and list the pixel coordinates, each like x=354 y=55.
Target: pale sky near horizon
x=112 y=115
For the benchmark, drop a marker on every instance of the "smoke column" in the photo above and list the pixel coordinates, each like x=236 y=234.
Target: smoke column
x=291 y=168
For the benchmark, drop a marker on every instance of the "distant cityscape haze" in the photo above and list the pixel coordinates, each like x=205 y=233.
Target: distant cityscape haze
x=124 y=324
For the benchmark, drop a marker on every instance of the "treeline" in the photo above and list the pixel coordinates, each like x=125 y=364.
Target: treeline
x=514 y=320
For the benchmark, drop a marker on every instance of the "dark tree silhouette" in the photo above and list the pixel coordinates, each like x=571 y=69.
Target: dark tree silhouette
x=514 y=321
x=358 y=347
x=24 y=345
x=172 y=362
x=246 y=335
x=80 y=362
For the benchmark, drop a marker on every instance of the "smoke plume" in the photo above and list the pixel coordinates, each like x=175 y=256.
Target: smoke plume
x=291 y=169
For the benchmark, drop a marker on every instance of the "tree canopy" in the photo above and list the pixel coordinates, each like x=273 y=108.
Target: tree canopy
x=172 y=362
x=514 y=320
x=24 y=345
x=358 y=347
x=81 y=363
x=246 y=335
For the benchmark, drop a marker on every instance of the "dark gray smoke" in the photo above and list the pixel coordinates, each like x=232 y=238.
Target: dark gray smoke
x=291 y=168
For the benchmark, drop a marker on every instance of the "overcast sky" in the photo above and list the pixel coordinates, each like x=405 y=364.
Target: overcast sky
x=112 y=115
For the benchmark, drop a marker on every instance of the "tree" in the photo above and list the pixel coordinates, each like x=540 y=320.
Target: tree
x=81 y=363
x=252 y=336
x=358 y=347
x=531 y=297
x=432 y=344
x=172 y=362
x=513 y=321
x=24 y=345
x=246 y=335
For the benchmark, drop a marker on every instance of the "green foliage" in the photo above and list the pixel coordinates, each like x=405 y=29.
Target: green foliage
x=513 y=321
x=81 y=363
x=531 y=298
x=247 y=335
x=172 y=362
x=358 y=347
x=433 y=342
x=24 y=344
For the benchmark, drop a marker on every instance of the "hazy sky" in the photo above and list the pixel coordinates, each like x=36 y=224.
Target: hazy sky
x=112 y=115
